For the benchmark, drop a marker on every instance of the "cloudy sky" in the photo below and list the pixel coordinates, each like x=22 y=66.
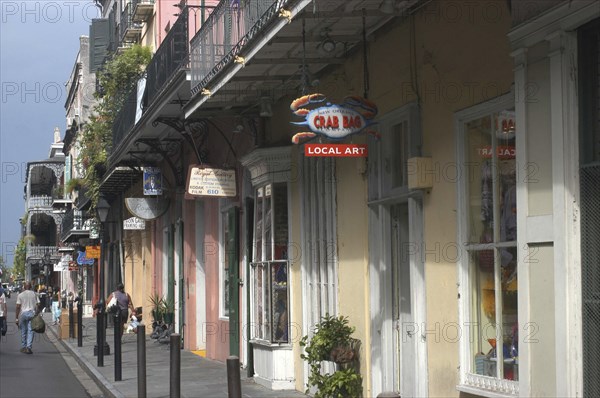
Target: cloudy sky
x=39 y=41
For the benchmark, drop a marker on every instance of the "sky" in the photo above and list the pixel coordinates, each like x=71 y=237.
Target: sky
x=39 y=42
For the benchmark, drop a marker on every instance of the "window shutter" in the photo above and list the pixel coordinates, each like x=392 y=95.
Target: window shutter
x=99 y=41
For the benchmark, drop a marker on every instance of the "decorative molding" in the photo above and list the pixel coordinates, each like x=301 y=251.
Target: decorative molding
x=269 y=165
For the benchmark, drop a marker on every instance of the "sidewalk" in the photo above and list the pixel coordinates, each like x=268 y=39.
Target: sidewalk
x=200 y=377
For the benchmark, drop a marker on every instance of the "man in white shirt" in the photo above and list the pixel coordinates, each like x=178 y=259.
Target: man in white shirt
x=27 y=308
x=3 y=313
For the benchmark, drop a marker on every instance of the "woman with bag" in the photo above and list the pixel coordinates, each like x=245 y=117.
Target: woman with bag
x=27 y=307
x=123 y=304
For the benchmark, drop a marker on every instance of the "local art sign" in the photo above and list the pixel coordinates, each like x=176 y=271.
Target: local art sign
x=336 y=150
x=333 y=121
x=207 y=181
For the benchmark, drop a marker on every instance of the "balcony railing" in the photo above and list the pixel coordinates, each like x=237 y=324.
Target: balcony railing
x=171 y=56
x=227 y=30
x=129 y=31
x=74 y=223
x=38 y=252
x=41 y=201
x=142 y=10
x=125 y=120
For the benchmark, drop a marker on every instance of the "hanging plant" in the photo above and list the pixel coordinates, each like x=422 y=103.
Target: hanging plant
x=332 y=341
x=74 y=184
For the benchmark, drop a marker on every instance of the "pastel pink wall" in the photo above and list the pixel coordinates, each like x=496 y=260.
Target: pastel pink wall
x=217 y=330
x=189 y=271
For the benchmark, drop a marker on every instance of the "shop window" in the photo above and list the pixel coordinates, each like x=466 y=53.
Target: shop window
x=270 y=266
x=488 y=226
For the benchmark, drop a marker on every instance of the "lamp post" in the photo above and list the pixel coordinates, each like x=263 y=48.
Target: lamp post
x=102 y=209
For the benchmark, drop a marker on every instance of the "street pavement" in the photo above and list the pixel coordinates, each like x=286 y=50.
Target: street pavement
x=200 y=377
x=49 y=372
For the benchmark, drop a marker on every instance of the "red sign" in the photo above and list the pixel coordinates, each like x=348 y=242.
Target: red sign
x=336 y=150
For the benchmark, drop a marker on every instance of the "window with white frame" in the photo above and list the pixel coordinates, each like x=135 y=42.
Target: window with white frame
x=224 y=234
x=270 y=266
x=488 y=226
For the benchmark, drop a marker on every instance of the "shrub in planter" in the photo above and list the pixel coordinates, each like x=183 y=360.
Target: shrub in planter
x=332 y=341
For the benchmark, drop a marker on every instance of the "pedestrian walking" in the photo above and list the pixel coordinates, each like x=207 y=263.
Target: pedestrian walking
x=123 y=304
x=3 y=314
x=27 y=307
x=56 y=311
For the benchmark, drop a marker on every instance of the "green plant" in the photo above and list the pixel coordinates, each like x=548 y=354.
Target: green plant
x=74 y=184
x=158 y=307
x=117 y=79
x=332 y=341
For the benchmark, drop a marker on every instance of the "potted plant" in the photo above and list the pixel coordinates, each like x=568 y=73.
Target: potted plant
x=332 y=341
x=169 y=315
x=158 y=308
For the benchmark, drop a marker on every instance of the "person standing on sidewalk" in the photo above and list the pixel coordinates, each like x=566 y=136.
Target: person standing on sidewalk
x=56 y=311
x=124 y=304
x=27 y=307
x=3 y=313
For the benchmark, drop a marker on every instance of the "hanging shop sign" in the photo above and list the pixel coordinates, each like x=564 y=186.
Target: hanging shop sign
x=61 y=266
x=152 y=181
x=147 y=208
x=73 y=266
x=92 y=251
x=332 y=121
x=207 y=181
x=336 y=150
x=82 y=259
x=134 y=223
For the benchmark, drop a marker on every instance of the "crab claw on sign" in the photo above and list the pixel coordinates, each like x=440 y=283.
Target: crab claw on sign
x=298 y=136
x=305 y=100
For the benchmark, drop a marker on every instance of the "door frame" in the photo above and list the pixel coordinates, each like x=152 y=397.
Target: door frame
x=382 y=324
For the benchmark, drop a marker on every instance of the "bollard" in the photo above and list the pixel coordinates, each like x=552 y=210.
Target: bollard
x=71 y=321
x=100 y=334
x=175 y=367
x=234 y=386
x=141 y=360
x=388 y=394
x=117 y=330
x=80 y=323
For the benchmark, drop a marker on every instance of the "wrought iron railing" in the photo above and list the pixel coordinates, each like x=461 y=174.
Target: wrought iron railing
x=40 y=201
x=228 y=29
x=171 y=56
x=41 y=251
x=73 y=220
x=127 y=25
x=82 y=197
x=125 y=120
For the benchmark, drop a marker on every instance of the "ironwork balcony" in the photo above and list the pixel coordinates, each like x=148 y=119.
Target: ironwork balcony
x=38 y=252
x=171 y=57
x=129 y=31
x=125 y=120
x=225 y=33
x=142 y=10
x=74 y=225
x=40 y=201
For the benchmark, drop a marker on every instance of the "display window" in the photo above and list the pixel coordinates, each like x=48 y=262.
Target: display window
x=488 y=226
x=269 y=267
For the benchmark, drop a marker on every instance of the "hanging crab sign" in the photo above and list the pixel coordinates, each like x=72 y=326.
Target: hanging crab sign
x=335 y=122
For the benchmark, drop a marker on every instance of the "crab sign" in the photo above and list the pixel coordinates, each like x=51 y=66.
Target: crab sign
x=335 y=122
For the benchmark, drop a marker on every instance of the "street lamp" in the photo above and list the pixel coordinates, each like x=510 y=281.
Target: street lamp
x=102 y=208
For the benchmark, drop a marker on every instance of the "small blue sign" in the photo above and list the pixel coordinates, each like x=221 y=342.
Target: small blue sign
x=83 y=260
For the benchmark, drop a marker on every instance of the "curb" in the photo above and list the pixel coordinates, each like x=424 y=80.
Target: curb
x=107 y=388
